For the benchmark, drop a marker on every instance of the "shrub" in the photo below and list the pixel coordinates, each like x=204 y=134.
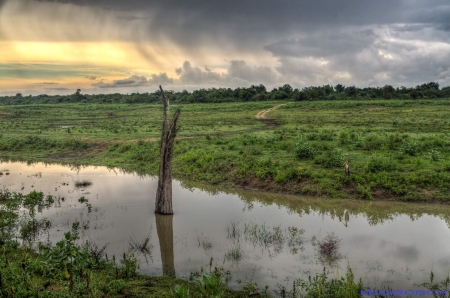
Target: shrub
x=409 y=147
x=434 y=155
x=393 y=141
x=380 y=163
x=285 y=175
x=332 y=158
x=446 y=166
x=326 y=135
x=359 y=142
x=372 y=142
x=303 y=149
x=344 y=137
x=323 y=286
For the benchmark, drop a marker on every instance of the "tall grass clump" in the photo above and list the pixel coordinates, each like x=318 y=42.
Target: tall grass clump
x=322 y=286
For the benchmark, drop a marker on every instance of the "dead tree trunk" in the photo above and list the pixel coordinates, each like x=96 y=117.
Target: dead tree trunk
x=163 y=204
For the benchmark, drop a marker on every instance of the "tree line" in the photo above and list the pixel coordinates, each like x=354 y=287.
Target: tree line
x=253 y=93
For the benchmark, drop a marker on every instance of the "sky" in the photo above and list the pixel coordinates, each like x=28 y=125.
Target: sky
x=112 y=46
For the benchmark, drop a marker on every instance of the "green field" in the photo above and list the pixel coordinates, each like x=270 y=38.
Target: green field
x=397 y=149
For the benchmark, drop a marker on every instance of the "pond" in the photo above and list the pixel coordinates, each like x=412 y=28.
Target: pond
x=266 y=238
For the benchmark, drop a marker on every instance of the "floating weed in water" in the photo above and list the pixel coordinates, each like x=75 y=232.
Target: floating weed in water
x=329 y=245
x=328 y=248
x=37 y=175
x=271 y=239
x=234 y=232
x=143 y=246
x=235 y=254
x=204 y=242
x=83 y=183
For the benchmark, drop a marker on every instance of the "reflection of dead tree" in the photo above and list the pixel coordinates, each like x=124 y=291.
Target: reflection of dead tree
x=164 y=228
x=163 y=204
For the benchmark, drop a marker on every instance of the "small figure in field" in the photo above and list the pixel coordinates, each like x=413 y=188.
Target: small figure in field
x=68 y=129
x=39 y=131
x=346 y=168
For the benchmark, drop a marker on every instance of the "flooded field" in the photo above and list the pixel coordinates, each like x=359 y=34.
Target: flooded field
x=265 y=238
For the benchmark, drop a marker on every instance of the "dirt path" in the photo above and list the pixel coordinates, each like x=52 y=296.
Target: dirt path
x=261 y=115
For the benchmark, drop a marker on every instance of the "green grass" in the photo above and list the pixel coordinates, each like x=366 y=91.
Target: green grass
x=397 y=149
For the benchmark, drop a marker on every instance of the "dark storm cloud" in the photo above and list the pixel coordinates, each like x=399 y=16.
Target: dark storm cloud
x=133 y=81
x=237 y=74
x=195 y=75
x=360 y=42
x=364 y=56
x=245 y=22
x=137 y=81
x=239 y=70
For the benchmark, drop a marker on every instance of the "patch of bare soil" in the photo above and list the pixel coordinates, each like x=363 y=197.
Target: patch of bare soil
x=4 y=113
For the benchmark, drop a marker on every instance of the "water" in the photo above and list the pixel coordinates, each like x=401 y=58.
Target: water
x=385 y=243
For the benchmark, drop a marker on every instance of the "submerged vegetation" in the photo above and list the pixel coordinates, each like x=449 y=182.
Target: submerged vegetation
x=83 y=183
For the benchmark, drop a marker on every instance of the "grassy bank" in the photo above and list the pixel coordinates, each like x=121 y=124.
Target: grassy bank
x=397 y=149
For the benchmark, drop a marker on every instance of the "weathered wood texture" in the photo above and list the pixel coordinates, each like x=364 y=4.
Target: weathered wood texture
x=163 y=204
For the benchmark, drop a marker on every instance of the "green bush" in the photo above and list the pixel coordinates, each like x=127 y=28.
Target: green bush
x=409 y=148
x=393 y=141
x=322 y=286
x=380 y=163
x=446 y=166
x=303 y=150
x=332 y=158
x=326 y=135
x=434 y=155
x=344 y=137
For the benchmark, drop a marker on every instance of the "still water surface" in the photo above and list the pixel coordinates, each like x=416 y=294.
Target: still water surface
x=265 y=238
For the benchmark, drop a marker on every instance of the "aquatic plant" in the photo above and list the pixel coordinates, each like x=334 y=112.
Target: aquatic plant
x=83 y=183
x=329 y=245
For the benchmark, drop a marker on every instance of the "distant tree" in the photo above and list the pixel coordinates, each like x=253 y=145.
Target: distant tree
x=339 y=88
x=433 y=85
x=19 y=95
x=286 y=88
x=388 y=91
x=414 y=94
x=351 y=91
x=445 y=92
